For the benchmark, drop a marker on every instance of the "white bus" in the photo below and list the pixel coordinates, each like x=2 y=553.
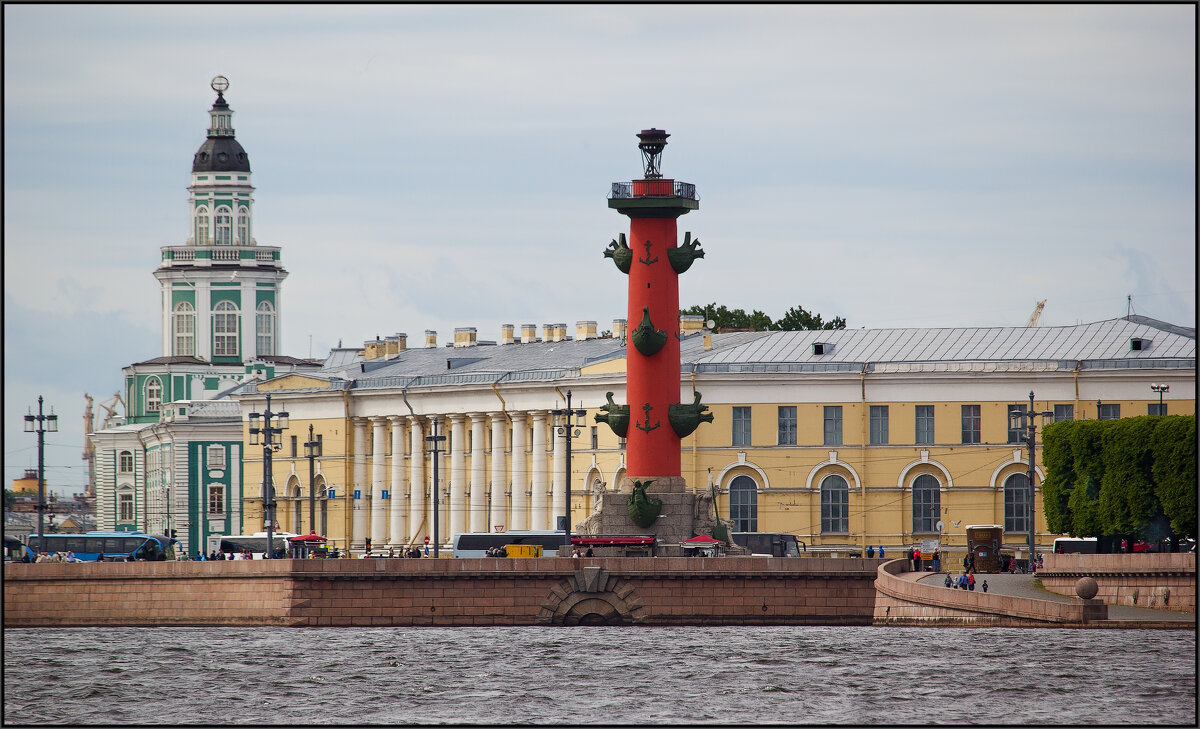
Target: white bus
x=233 y=544
x=1069 y=545
x=476 y=544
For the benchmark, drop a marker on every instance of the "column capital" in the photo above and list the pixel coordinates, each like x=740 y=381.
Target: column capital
x=398 y=419
x=457 y=418
x=377 y=420
x=539 y=414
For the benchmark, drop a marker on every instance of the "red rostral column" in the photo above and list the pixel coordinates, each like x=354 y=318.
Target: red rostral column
x=653 y=262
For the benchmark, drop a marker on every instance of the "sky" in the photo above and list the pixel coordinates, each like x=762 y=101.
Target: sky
x=433 y=167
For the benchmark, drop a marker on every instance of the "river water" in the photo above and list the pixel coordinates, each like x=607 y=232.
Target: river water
x=599 y=675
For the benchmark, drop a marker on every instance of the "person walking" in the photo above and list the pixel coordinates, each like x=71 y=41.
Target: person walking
x=949 y=581
x=971 y=581
x=909 y=556
x=937 y=560
x=917 y=559
x=985 y=585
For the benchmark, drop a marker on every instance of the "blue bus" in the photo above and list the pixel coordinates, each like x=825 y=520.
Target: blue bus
x=108 y=546
x=15 y=550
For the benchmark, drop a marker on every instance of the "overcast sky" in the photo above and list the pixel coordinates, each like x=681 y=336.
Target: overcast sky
x=429 y=167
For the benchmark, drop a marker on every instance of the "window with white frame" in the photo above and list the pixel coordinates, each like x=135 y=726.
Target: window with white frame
x=1064 y=412
x=216 y=499
x=971 y=423
x=216 y=456
x=787 y=425
x=1110 y=411
x=185 y=329
x=924 y=425
x=125 y=462
x=741 y=426
x=202 y=227
x=835 y=505
x=926 y=503
x=743 y=504
x=1016 y=429
x=264 y=326
x=225 y=329
x=879 y=424
x=243 y=226
x=224 y=223
x=833 y=425
x=125 y=506
x=153 y=395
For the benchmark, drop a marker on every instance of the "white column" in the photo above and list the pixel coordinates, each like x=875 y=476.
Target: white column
x=204 y=348
x=537 y=502
x=498 y=513
x=379 y=510
x=359 y=487
x=398 y=531
x=417 y=520
x=478 y=475
x=458 y=476
x=558 y=502
x=518 y=515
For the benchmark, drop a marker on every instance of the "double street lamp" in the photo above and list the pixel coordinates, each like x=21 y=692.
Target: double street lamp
x=41 y=424
x=312 y=451
x=1160 y=389
x=260 y=424
x=435 y=452
x=1023 y=420
x=567 y=429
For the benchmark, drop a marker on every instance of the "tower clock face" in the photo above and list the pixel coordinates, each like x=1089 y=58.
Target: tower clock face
x=219 y=84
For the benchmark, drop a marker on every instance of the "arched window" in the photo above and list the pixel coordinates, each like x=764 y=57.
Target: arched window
x=1016 y=503
x=225 y=330
x=224 y=224
x=835 y=505
x=185 y=329
x=125 y=462
x=153 y=395
x=264 y=327
x=202 y=227
x=926 y=503
x=243 y=226
x=743 y=504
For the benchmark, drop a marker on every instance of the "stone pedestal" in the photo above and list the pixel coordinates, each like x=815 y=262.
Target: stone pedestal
x=684 y=514
x=658 y=485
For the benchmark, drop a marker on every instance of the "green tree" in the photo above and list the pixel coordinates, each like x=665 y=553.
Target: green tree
x=1060 y=476
x=1174 y=471
x=1127 y=500
x=1084 y=501
x=794 y=319
x=10 y=498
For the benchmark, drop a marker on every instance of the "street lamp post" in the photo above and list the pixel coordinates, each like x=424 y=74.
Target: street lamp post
x=1025 y=421
x=1160 y=389
x=312 y=451
x=269 y=447
x=41 y=424
x=435 y=439
x=567 y=429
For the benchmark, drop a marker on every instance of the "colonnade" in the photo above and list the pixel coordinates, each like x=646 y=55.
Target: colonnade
x=517 y=483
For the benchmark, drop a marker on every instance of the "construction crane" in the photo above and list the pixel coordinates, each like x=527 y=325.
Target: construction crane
x=110 y=408
x=1037 y=314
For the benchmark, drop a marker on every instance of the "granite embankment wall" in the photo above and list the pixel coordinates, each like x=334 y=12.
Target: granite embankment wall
x=1163 y=581
x=907 y=602
x=548 y=591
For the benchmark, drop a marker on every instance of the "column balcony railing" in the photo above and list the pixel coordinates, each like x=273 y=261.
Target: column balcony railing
x=653 y=188
x=199 y=256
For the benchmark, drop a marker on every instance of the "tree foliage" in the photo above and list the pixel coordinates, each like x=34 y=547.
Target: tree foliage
x=1128 y=477
x=793 y=320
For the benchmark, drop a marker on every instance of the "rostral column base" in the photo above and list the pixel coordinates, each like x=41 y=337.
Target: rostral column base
x=661 y=485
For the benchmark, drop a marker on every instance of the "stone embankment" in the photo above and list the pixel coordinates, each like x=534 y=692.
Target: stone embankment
x=1163 y=581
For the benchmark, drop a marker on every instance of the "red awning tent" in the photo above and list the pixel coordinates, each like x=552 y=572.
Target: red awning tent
x=612 y=541
x=701 y=541
x=308 y=538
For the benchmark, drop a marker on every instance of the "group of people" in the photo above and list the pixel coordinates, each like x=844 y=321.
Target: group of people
x=918 y=559
x=57 y=557
x=221 y=556
x=578 y=553
x=871 y=551
x=965 y=581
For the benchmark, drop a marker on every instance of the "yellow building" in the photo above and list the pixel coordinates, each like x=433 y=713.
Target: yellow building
x=27 y=484
x=847 y=439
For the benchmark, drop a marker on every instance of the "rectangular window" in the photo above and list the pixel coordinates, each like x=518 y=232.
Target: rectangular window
x=879 y=424
x=125 y=507
x=833 y=425
x=216 y=499
x=741 y=426
x=125 y=462
x=1064 y=412
x=216 y=456
x=924 y=425
x=1156 y=409
x=1110 y=412
x=787 y=425
x=595 y=437
x=321 y=444
x=1016 y=425
x=971 y=420
x=294 y=438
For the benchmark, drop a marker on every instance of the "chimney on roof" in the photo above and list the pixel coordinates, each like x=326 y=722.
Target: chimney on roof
x=618 y=328
x=372 y=348
x=548 y=332
x=391 y=345
x=430 y=338
x=585 y=330
x=528 y=333
x=690 y=323
x=464 y=337
x=506 y=334
x=401 y=341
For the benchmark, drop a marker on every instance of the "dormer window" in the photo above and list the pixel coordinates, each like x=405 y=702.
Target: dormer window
x=1137 y=344
x=820 y=348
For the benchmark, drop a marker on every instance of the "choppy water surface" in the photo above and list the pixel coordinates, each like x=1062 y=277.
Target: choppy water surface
x=598 y=675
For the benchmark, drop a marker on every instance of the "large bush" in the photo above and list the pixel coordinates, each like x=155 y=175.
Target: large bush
x=1174 y=471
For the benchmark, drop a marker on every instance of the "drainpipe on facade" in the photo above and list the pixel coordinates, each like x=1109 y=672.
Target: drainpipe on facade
x=864 y=420
x=1075 y=377
x=348 y=509
x=503 y=405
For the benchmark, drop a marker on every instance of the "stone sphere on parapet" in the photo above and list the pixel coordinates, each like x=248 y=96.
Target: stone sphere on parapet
x=1086 y=588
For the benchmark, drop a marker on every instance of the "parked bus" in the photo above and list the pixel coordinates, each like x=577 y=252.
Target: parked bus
x=16 y=551
x=102 y=546
x=1070 y=545
x=256 y=543
x=476 y=544
x=770 y=544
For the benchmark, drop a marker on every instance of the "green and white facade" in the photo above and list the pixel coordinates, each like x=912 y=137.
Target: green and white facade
x=174 y=462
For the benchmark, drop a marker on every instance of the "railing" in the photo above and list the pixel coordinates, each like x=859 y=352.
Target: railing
x=207 y=255
x=226 y=254
x=655 y=188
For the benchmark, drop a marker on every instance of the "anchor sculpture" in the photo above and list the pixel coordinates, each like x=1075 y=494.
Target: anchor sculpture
x=646 y=338
x=686 y=418
x=681 y=258
x=616 y=416
x=621 y=254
